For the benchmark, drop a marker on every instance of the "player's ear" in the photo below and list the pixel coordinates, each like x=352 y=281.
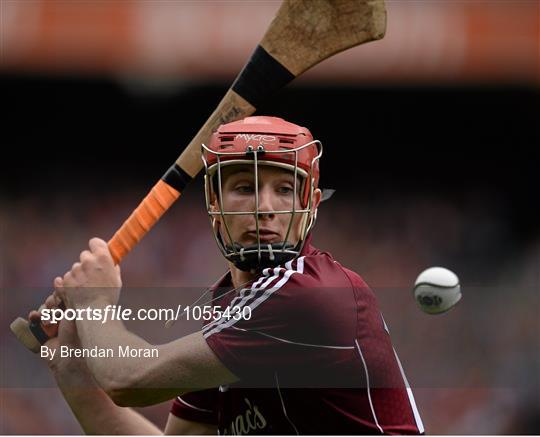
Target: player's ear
x=213 y=201
x=216 y=219
x=316 y=199
x=214 y=207
x=210 y=193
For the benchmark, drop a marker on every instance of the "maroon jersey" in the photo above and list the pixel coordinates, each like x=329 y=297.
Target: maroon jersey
x=313 y=355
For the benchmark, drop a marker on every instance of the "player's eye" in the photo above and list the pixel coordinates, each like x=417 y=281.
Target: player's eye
x=285 y=189
x=244 y=189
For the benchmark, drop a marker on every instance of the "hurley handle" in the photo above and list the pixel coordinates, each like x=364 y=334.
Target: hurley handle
x=34 y=333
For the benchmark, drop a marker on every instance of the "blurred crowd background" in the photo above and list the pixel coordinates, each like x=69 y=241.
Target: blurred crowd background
x=430 y=140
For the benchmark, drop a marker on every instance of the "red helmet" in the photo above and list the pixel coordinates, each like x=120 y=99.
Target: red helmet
x=278 y=143
x=263 y=141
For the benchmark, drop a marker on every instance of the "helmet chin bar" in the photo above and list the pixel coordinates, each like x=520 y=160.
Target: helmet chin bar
x=250 y=259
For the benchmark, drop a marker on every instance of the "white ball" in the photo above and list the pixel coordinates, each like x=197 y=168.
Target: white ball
x=436 y=290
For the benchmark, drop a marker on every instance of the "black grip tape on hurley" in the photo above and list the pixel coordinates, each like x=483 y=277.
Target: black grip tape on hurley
x=261 y=77
x=176 y=178
x=39 y=333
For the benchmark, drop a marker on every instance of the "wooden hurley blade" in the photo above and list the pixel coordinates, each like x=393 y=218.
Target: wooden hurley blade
x=305 y=32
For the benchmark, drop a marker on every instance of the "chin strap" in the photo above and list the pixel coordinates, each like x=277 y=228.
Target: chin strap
x=247 y=258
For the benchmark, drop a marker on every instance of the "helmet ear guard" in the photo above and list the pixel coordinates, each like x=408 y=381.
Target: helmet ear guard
x=267 y=141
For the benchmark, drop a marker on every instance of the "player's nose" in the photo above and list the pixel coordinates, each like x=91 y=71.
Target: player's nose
x=266 y=203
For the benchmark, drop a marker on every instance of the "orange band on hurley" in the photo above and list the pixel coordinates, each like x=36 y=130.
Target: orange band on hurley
x=146 y=215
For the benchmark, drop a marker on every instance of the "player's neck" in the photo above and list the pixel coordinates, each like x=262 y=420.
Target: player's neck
x=239 y=277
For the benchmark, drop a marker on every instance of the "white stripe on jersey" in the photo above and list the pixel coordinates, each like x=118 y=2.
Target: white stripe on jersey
x=240 y=300
x=368 y=389
x=267 y=293
x=384 y=324
x=193 y=406
x=241 y=295
x=283 y=405
x=293 y=342
x=416 y=414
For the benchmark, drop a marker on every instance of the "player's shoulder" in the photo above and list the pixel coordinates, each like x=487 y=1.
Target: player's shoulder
x=322 y=266
x=318 y=268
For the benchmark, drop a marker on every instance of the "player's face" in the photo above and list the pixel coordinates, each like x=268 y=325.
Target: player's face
x=275 y=193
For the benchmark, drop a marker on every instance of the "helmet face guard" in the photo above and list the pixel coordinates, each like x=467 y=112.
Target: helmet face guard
x=252 y=151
